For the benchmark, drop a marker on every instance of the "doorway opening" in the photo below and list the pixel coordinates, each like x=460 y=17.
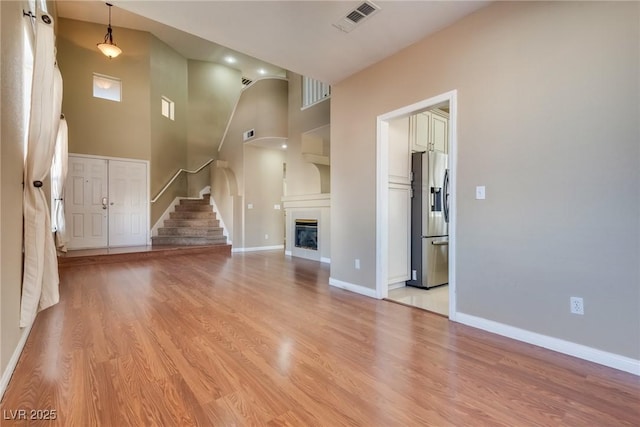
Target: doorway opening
x=408 y=271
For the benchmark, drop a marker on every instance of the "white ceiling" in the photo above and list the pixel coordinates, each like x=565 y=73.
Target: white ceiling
x=294 y=35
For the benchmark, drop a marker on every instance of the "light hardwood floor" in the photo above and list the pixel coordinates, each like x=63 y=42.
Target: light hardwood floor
x=260 y=339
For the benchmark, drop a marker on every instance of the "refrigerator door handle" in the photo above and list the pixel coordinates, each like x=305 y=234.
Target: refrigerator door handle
x=440 y=243
x=446 y=195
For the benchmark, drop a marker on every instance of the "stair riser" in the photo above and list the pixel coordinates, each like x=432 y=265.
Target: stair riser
x=194 y=232
x=193 y=208
x=196 y=202
x=187 y=241
x=192 y=215
x=191 y=223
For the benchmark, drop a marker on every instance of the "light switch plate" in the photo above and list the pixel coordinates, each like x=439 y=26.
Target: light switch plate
x=480 y=192
x=250 y=206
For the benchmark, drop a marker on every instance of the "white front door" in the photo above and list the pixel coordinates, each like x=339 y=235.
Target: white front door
x=127 y=203
x=106 y=203
x=86 y=214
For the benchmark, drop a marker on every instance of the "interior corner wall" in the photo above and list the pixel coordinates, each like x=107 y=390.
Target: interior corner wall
x=264 y=223
x=213 y=90
x=12 y=135
x=302 y=177
x=263 y=107
x=168 y=139
x=548 y=107
x=98 y=126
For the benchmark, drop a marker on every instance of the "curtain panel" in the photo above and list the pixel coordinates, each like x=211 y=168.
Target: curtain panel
x=40 y=279
x=58 y=179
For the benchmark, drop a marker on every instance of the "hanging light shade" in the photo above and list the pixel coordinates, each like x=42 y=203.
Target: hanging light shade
x=108 y=47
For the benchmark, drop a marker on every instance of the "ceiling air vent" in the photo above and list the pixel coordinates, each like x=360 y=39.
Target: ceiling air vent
x=356 y=16
x=246 y=81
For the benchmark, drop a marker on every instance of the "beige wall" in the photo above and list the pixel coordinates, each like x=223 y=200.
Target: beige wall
x=548 y=120
x=264 y=225
x=302 y=177
x=98 y=126
x=168 y=139
x=135 y=127
x=12 y=134
x=213 y=92
x=263 y=107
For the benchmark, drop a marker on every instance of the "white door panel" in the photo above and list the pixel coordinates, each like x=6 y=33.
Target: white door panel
x=86 y=216
x=123 y=220
x=127 y=203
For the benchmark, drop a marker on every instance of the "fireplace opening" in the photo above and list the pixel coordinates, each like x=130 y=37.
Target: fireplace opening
x=306 y=234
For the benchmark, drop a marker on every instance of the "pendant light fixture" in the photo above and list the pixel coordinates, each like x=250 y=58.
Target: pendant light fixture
x=108 y=47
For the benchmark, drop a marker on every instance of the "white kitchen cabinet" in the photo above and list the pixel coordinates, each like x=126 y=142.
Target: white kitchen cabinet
x=439 y=132
x=429 y=130
x=420 y=125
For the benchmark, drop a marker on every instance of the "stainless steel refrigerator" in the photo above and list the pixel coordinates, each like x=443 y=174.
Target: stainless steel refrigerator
x=429 y=220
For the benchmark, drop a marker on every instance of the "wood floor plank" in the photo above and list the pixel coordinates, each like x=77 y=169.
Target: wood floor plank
x=261 y=339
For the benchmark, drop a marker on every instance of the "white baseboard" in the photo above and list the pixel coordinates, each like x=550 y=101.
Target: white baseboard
x=397 y=285
x=287 y=253
x=258 y=248
x=205 y=190
x=325 y=260
x=212 y=202
x=353 y=288
x=165 y=215
x=13 y=362
x=580 y=351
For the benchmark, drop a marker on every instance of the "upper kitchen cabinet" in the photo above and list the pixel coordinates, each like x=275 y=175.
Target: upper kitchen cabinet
x=429 y=130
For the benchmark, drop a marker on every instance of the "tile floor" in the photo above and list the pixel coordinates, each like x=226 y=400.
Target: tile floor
x=434 y=299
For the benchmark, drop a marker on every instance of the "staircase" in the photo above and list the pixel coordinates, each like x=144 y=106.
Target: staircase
x=193 y=223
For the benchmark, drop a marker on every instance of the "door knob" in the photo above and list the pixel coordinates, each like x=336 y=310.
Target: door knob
x=104 y=203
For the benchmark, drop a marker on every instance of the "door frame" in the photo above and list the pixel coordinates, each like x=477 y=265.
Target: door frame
x=382 y=191
x=148 y=192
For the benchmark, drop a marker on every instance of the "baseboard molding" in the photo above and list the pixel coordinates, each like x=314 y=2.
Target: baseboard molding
x=353 y=287
x=212 y=202
x=258 y=248
x=165 y=215
x=287 y=253
x=13 y=362
x=397 y=285
x=325 y=260
x=580 y=351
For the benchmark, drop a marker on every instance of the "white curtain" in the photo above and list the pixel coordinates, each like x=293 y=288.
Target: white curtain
x=58 y=179
x=40 y=280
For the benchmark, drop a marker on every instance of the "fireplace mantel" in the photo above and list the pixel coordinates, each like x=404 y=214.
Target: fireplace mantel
x=307 y=201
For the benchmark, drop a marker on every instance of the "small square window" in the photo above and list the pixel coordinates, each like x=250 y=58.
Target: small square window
x=106 y=87
x=168 y=108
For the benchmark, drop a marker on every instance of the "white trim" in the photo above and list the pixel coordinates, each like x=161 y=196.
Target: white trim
x=212 y=202
x=580 y=351
x=315 y=103
x=258 y=248
x=351 y=287
x=325 y=260
x=13 y=361
x=382 y=191
x=396 y=285
x=287 y=253
x=205 y=190
x=165 y=215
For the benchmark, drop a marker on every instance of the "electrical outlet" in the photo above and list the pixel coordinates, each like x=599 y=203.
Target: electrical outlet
x=266 y=237
x=576 y=305
x=357 y=264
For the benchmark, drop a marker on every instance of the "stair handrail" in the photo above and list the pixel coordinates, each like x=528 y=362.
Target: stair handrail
x=176 y=175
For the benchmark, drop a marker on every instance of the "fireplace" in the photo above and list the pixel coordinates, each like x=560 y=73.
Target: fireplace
x=306 y=234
